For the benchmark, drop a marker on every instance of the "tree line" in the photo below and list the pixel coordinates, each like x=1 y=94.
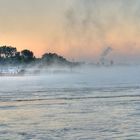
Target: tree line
x=10 y=56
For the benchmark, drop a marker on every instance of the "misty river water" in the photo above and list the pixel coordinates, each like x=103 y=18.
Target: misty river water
x=98 y=103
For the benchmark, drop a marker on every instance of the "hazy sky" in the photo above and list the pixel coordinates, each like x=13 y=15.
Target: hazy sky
x=77 y=29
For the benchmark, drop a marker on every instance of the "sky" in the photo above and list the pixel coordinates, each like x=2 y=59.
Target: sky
x=77 y=29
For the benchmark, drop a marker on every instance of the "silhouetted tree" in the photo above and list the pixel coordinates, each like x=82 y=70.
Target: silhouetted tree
x=17 y=58
x=7 y=51
x=51 y=58
x=27 y=55
x=10 y=56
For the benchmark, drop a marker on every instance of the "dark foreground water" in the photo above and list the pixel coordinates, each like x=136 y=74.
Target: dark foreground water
x=100 y=103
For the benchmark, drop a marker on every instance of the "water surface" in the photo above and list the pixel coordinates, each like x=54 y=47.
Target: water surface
x=99 y=103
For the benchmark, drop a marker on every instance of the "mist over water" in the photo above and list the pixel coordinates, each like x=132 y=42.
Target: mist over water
x=51 y=98
x=86 y=103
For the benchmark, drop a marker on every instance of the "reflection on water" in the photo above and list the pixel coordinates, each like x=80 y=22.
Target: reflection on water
x=70 y=107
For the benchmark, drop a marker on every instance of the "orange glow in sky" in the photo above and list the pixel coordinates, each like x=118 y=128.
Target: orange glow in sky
x=78 y=29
